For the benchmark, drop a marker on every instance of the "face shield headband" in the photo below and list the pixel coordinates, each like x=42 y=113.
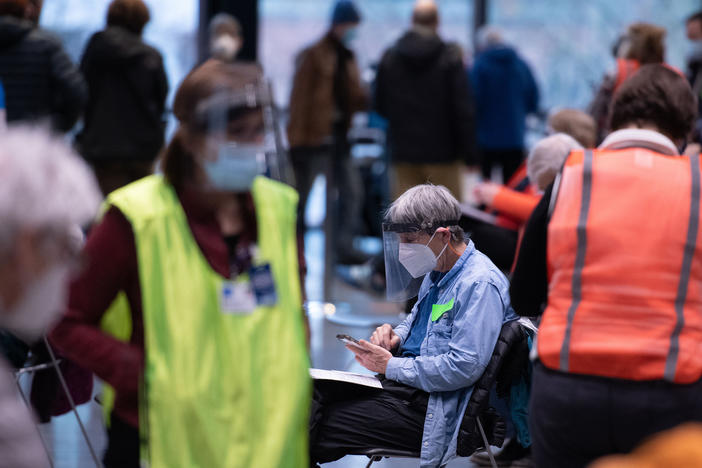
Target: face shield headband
x=403 y=283
x=214 y=116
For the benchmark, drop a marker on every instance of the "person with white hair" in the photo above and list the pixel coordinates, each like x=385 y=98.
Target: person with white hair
x=547 y=156
x=515 y=201
x=434 y=357
x=46 y=193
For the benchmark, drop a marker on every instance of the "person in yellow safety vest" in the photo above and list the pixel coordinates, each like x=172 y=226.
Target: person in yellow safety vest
x=204 y=342
x=614 y=251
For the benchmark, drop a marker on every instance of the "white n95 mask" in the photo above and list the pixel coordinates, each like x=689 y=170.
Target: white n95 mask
x=418 y=259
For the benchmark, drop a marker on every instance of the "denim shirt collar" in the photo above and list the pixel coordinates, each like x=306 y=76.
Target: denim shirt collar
x=460 y=263
x=457 y=267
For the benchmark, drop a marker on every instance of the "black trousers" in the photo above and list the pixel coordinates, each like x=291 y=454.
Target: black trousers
x=308 y=163
x=122 y=445
x=347 y=418
x=575 y=419
x=509 y=159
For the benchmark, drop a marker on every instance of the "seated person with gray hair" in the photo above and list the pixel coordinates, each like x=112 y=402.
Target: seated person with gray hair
x=434 y=357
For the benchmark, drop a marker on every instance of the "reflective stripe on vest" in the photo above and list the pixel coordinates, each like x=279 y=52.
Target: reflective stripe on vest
x=579 y=257
x=690 y=244
x=625 y=268
x=221 y=389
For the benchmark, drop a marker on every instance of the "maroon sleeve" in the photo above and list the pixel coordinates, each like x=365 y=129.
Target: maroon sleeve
x=111 y=267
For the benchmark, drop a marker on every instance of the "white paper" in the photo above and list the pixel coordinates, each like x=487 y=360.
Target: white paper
x=349 y=377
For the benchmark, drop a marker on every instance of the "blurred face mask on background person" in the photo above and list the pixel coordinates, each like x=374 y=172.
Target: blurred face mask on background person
x=419 y=259
x=349 y=36
x=41 y=304
x=226 y=47
x=236 y=166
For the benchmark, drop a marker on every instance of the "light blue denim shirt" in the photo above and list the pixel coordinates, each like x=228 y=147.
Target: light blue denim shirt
x=456 y=348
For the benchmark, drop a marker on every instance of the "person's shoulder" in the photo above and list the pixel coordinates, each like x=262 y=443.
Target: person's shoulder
x=480 y=269
x=46 y=38
x=452 y=53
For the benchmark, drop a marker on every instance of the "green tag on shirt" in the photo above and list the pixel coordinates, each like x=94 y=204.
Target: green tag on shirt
x=437 y=310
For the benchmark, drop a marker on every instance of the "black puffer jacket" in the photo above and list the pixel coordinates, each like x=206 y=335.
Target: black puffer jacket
x=509 y=358
x=40 y=81
x=423 y=91
x=127 y=94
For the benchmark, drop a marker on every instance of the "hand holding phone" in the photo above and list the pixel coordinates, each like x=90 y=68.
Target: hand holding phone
x=349 y=340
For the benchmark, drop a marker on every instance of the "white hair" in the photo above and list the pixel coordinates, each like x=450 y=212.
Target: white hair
x=547 y=156
x=44 y=184
x=426 y=205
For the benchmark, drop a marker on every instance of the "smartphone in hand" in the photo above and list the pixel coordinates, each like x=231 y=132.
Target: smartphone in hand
x=348 y=340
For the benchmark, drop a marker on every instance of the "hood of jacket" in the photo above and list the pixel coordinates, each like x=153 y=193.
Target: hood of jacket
x=418 y=48
x=500 y=53
x=13 y=30
x=116 y=46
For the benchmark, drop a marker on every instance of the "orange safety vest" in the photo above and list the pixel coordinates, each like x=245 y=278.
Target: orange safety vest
x=625 y=68
x=625 y=268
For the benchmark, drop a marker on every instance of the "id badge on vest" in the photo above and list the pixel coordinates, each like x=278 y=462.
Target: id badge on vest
x=237 y=297
x=248 y=291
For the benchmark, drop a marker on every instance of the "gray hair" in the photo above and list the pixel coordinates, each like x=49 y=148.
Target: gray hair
x=44 y=185
x=425 y=205
x=547 y=156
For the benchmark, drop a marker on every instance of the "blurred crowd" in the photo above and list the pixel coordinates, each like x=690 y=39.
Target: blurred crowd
x=173 y=269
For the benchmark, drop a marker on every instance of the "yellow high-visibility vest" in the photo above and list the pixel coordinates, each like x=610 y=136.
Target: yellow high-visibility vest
x=220 y=389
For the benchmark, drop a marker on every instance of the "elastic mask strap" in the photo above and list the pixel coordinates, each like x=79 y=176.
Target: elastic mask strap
x=442 y=250
x=452 y=249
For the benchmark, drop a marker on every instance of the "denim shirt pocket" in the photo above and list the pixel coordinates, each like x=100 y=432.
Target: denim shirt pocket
x=440 y=330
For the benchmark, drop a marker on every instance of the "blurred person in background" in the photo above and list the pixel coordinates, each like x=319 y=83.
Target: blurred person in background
x=422 y=90
x=641 y=44
x=514 y=202
x=41 y=83
x=226 y=38
x=124 y=118
x=576 y=123
x=612 y=262
x=326 y=92
x=46 y=194
x=505 y=93
x=191 y=294
x=693 y=27
x=34 y=10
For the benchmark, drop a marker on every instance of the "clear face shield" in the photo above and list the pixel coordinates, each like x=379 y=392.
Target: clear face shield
x=243 y=138
x=408 y=257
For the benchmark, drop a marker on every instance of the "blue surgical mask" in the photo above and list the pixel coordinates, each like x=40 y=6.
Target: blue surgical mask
x=236 y=167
